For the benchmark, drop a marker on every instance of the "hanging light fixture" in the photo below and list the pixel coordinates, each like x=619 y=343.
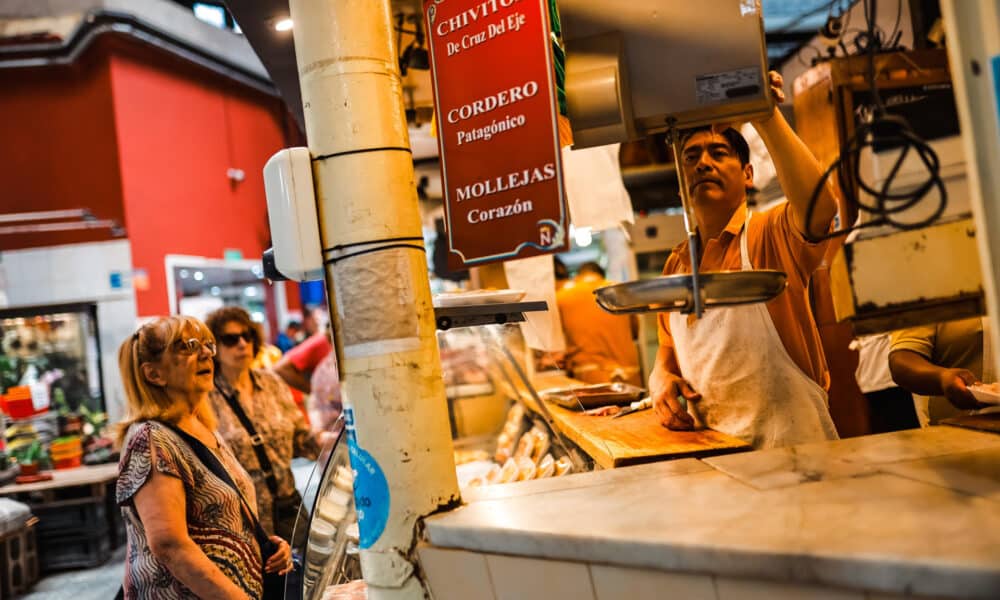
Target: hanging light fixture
x=415 y=54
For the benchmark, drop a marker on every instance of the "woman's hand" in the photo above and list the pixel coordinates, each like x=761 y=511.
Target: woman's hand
x=281 y=561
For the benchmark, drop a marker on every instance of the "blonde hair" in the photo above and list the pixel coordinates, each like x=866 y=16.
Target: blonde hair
x=144 y=401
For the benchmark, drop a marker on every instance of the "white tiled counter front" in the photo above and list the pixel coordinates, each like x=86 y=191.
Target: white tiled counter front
x=907 y=514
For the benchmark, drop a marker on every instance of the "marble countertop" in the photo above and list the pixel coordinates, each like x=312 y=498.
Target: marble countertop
x=914 y=512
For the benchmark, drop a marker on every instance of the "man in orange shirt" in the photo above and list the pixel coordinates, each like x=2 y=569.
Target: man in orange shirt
x=756 y=371
x=599 y=345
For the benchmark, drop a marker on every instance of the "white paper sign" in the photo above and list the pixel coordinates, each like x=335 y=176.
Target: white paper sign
x=541 y=330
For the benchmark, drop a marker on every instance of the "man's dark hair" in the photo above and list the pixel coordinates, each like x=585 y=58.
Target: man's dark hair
x=591 y=267
x=735 y=139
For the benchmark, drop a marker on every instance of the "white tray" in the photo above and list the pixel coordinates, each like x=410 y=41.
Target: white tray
x=985 y=394
x=449 y=299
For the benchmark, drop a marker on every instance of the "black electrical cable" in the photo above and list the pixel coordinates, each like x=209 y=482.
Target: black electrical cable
x=894 y=37
x=880 y=129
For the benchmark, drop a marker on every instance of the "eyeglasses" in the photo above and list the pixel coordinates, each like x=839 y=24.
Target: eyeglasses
x=231 y=339
x=194 y=346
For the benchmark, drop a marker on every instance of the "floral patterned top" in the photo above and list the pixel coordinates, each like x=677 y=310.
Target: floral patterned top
x=215 y=518
x=279 y=422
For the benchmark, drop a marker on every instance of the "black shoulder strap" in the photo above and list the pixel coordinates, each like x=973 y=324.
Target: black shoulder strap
x=213 y=464
x=256 y=442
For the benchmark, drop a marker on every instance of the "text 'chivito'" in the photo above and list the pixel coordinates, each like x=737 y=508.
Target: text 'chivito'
x=471 y=16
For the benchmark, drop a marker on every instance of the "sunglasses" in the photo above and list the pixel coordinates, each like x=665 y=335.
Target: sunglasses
x=231 y=339
x=194 y=346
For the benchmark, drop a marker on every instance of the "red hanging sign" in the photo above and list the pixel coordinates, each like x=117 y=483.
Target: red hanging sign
x=495 y=102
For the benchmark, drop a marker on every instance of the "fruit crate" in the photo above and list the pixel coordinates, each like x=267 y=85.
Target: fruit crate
x=74 y=552
x=18 y=560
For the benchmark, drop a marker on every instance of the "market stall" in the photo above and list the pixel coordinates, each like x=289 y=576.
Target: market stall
x=808 y=512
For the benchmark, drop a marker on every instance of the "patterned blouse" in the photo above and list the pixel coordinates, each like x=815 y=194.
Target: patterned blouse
x=279 y=422
x=215 y=519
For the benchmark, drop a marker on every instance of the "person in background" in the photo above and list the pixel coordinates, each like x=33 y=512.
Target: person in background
x=267 y=355
x=311 y=368
x=253 y=404
x=187 y=533
x=310 y=322
x=288 y=338
x=600 y=347
x=941 y=361
x=890 y=407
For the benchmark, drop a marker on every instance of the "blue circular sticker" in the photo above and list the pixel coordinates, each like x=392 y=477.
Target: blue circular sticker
x=371 y=494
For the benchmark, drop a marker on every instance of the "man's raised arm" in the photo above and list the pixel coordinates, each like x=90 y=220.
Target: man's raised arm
x=798 y=170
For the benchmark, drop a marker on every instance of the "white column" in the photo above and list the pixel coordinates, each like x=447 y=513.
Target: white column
x=973 y=34
x=380 y=302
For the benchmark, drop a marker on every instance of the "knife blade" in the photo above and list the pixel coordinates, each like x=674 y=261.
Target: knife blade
x=636 y=406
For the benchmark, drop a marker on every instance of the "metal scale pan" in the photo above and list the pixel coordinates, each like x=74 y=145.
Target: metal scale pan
x=676 y=292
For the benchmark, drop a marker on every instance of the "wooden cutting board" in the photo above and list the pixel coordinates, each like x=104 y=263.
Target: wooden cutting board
x=638 y=438
x=632 y=439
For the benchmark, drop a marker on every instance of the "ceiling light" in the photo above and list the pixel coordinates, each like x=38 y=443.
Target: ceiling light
x=583 y=236
x=283 y=25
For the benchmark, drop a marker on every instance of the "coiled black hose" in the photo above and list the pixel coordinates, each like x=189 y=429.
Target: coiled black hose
x=881 y=130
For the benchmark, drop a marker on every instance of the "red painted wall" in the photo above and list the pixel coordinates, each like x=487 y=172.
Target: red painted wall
x=145 y=139
x=179 y=130
x=58 y=148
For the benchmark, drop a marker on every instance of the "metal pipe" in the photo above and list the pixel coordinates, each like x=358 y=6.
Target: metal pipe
x=377 y=282
x=46 y=215
x=690 y=219
x=116 y=230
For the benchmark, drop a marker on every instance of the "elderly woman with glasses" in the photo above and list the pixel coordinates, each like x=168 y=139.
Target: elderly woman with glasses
x=188 y=533
x=258 y=419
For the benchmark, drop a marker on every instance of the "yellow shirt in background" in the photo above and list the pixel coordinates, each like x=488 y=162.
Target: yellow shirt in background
x=267 y=357
x=954 y=345
x=597 y=342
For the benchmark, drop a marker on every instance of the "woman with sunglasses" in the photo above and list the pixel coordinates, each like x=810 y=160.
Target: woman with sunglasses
x=188 y=533
x=258 y=419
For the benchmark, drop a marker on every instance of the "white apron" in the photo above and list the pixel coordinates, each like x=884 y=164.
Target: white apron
x=750 y=387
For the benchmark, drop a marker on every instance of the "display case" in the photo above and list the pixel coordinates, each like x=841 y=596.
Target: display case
x=515 y=438
x=325 y=537
x=499 y=435
x=50 y=359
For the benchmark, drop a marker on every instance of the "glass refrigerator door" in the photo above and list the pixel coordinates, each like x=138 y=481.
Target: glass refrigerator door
x=53 y=350
x=325 y=537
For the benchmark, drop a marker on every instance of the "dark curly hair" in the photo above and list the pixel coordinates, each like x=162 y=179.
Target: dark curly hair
x=219 y=317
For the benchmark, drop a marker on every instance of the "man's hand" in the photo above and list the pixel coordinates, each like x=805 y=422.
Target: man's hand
x=954 y=384
x=777 y=82
x=665 y=387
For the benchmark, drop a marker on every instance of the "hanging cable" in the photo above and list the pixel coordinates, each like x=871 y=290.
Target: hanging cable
x=879 y=129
